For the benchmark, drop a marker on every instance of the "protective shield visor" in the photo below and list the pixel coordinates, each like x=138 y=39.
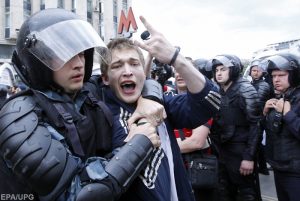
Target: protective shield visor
x=261 y=65
x=57 y=44
x=280 y=63
x=224 y=60
x=208 y=65
x=264 y=64
x=255 y=63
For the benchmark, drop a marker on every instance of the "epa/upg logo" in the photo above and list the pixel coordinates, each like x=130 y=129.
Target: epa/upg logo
x=16 y=197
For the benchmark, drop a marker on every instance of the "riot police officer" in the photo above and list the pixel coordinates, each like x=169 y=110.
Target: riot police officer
x=204 y=67
x=237 y=126
x=54 y=135
x=282 y=115
x=258 y=74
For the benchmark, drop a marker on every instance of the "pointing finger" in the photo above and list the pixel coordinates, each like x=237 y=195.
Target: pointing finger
x=142 y=45
x=147 y=25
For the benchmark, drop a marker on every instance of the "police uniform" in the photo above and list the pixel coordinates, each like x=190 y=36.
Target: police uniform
x=52 y=146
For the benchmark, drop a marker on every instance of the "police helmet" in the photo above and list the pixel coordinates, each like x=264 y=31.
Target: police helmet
x=230 y=61
x=285 y=62
x=203 y=66
x=259 y=63
x=49 y=39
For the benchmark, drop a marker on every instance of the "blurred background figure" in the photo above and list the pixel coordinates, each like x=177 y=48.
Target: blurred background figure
x=3 y=94
x=161 y=72
x=258 y=74
x=203 y=66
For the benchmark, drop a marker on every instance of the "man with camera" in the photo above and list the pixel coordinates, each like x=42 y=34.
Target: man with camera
x=282 y=116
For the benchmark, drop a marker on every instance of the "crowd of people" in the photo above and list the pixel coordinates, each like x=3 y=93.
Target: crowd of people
x=257 y=124
x=124 y=136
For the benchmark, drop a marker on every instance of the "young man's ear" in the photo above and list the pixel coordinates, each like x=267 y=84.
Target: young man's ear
x=105 y=79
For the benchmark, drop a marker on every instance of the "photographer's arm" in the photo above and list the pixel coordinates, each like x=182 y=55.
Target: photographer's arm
x=196 y=141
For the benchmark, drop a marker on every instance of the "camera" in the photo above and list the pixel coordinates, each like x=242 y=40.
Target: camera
x=161 y=72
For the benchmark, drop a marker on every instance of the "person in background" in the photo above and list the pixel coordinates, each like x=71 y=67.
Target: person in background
x=191 y=140
x=282 y=123
x=237 y=125
x=3 y=94
x=258 y=74
x=204 y=67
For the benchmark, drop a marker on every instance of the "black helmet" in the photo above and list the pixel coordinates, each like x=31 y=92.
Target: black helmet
x=203 y=66
x=285 y=62
x=49 y=39
x=232 y=62
x=259 y=63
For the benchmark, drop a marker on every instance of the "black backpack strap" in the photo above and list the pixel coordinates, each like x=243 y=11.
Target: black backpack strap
x=71 y=129
x=105 y=109
x=53 y=112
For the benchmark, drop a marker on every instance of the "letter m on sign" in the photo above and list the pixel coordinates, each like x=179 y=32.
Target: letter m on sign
x=126 y=22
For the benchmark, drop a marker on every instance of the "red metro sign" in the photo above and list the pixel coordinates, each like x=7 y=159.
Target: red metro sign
x=125 y=23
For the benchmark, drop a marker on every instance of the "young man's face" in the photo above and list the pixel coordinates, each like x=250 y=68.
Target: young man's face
x=125 y=75
x=256 y=73
x=71 y=75
x=280 y=80
x=222 y=74
x=180 y=83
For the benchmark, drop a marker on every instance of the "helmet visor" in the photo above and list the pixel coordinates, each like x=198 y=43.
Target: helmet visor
x=57 y=44
x=260 y=64
x=255 y=63
x=280 y=63
x=263 y=64
x=224 y=60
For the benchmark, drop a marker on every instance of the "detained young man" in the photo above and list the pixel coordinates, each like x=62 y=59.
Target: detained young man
x=164 y=178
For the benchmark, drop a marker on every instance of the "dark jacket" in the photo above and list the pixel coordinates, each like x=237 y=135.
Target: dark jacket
x=182 y=111
x=283 y=136
x=239 y=116
x=42 y=113
x=3 y=95
x=263 y=91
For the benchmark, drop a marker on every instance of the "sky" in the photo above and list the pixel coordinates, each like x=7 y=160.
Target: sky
x=206 y=28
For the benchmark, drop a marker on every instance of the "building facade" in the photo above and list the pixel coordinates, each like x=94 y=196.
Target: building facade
x=290 y=46
x=102 y=14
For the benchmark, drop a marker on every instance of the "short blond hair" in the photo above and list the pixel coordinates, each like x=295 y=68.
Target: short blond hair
x=119 y=44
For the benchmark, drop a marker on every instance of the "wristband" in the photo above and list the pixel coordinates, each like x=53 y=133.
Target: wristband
x=174 y=56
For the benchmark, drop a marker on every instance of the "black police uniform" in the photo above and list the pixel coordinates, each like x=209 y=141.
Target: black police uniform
x=237 y=125
x=52 y=146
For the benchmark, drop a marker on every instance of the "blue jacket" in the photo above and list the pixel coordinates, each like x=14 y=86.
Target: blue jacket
x=183 y=111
